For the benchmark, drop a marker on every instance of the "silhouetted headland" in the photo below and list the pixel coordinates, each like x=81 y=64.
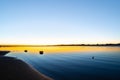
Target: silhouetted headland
x=4 y=52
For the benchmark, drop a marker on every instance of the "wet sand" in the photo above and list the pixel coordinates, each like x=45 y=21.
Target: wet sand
x=16 y=69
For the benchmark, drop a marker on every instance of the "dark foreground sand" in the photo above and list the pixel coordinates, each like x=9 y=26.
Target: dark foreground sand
x=15 y=69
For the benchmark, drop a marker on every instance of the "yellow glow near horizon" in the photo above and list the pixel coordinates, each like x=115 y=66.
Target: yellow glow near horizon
x=60 y=49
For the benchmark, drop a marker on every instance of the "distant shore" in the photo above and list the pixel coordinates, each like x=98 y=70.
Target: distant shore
x=118 y=44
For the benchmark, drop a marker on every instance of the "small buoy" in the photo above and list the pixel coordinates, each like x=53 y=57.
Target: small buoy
x=25 y=51
x=41 y=52
x=93 y=57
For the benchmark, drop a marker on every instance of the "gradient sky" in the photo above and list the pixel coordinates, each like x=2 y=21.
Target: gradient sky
x=59 y=21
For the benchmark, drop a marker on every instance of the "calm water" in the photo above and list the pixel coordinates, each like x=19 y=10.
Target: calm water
x=76 y=64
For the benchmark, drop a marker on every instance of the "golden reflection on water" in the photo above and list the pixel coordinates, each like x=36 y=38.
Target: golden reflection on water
x=60 y=49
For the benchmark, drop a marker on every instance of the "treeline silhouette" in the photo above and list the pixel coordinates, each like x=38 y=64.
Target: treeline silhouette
x=110 y=44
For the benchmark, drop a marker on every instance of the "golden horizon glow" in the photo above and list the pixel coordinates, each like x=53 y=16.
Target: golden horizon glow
x=60 y=49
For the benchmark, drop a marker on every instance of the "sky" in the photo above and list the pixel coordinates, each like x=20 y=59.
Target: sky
x=59 y=21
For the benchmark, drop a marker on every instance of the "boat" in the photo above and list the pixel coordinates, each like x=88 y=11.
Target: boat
x=2 y=53
x=41 y=52
x=25 y=51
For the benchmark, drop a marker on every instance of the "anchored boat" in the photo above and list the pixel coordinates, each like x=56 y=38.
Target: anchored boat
x=41 y=52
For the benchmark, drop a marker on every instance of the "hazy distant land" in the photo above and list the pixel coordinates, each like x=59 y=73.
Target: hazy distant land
x=118 y=44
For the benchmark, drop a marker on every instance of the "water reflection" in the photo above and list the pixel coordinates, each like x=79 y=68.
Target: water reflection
x=76 y=66
x=74 y=63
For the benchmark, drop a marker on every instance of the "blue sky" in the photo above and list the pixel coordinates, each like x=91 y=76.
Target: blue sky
x=59 y=21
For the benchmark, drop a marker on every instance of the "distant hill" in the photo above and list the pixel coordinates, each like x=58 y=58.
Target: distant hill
x=118 y=44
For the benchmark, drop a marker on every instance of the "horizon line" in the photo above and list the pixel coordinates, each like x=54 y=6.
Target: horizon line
x=96 y=44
